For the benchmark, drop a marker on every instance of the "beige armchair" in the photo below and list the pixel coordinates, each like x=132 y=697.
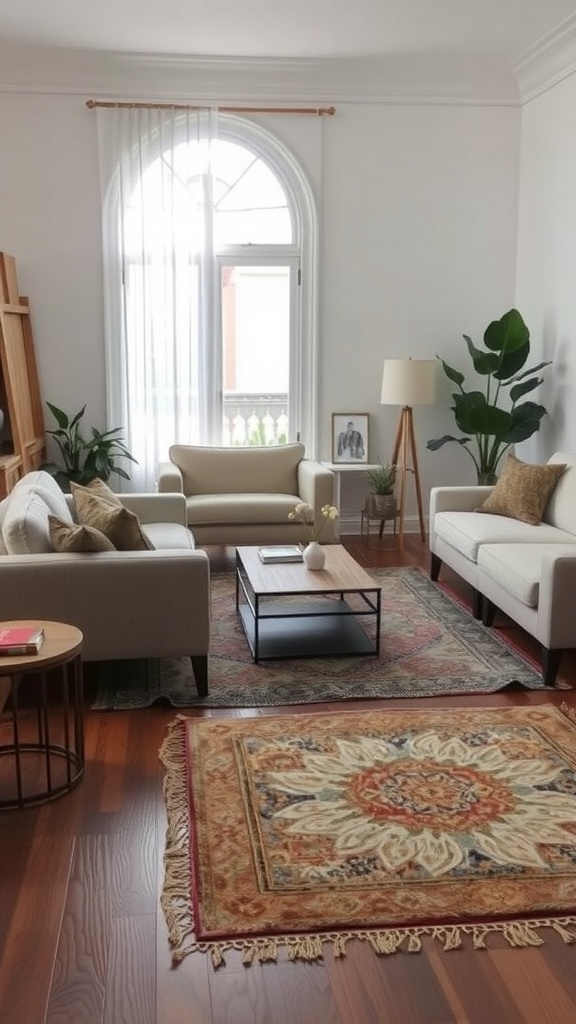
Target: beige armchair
x=243 y=495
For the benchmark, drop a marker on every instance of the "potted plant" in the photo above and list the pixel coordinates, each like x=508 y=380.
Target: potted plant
x=489 y=427
x=381 y=501
x=85 y=458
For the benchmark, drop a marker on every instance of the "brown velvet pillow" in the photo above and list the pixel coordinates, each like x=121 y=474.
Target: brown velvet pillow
x=120 y=525
x=523 y=490
x=66 y=537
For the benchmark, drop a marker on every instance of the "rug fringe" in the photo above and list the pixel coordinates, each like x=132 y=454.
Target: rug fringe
x=309 y=948
x=175 y=897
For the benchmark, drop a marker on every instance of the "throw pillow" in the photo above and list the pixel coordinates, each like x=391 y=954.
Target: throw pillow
x=101 y=489
x=120 y=525
x=67 y=538
x=523 y=490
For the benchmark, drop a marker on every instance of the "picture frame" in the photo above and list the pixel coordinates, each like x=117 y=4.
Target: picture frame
x=350 y=438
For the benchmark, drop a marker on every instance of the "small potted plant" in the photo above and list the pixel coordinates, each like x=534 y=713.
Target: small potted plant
x=381 y=500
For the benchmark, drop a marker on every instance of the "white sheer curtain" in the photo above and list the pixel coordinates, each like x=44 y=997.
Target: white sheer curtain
x=158 y=279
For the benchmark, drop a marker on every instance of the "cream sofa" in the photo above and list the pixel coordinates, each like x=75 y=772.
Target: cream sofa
x=129 y=604
x=529 y=572
x=243 y=495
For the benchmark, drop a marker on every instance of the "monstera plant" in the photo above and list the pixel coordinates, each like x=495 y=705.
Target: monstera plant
x=495 y=418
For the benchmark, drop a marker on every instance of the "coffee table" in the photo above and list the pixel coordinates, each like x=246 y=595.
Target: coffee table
x=288 y=611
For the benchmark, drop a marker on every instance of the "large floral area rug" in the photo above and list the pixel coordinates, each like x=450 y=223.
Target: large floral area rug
x=430 y=645
x=385 y=826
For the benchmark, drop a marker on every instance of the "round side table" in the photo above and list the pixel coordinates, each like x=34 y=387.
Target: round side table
x=47 y=746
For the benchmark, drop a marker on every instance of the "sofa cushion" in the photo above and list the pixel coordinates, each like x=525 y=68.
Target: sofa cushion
x=120 y=525
x=517 y=568
x=167 y=536
x=561 y=508
x=523 y=490
x=467 y=531
x=256 y=509
x=209 y=470
x=25 y=527
x=69 y=537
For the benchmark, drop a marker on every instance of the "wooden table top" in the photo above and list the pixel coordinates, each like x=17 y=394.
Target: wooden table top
x=62 y=642
x=341 y=573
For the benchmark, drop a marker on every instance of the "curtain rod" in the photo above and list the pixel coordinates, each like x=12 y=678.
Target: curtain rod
x=319 y=111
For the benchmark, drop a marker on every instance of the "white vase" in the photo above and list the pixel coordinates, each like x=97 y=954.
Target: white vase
x=314 y=556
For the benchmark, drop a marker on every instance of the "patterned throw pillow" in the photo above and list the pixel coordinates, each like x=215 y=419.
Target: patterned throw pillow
x=523 y=490
x=74 y=538
x=120 y=525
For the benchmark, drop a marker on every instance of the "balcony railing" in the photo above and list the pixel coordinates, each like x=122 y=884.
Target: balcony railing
x=255 y=419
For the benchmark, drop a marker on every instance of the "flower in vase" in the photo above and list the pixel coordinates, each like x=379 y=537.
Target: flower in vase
x=304 y=513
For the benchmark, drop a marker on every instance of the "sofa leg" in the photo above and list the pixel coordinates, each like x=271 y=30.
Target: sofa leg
x=550 y=665
x=435 y=566
x=488 y=612
x=200 y=669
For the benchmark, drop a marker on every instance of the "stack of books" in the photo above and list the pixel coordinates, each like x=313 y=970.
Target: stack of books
x=281 y=553
x=20 y=640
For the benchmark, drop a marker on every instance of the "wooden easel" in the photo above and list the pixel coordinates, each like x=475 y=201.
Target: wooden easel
x=405 y=447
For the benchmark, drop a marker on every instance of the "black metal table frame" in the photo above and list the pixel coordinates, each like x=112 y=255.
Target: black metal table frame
x=252 y=616
x=70 y=673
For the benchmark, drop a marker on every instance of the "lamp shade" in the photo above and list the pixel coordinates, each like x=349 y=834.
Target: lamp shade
x=409 y=382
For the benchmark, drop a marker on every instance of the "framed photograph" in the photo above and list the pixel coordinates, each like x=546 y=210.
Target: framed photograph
x=350 y=437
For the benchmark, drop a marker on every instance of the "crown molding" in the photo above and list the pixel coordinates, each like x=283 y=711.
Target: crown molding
x=448 y=79
x=547 y=63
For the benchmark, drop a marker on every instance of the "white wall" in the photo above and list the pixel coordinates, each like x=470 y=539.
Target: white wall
x=418 y=215
x=546 y=287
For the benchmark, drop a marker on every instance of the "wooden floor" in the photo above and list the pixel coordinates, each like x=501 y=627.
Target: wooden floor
x=82 y=938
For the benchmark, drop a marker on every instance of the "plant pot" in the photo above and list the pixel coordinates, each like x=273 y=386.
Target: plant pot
x=314 y=556
x=381 y=506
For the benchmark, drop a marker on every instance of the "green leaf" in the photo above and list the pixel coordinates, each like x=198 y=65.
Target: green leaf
x=533 y=369
x=485 y=363
x=508 y=334
x=60 y=416
x=519 y=390
x=525 y=421
x=438 y=442
x=474 y=415
x=454 y=375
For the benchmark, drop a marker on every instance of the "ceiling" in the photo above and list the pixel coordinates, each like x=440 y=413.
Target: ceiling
x=502 y=29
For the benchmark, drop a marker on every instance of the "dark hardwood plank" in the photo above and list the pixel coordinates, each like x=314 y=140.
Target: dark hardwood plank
x=78 y=991
x=31 y=940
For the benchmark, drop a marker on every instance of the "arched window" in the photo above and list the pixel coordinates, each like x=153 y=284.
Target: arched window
x=210 y=252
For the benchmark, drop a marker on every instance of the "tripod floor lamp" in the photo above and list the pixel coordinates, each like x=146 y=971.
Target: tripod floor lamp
x=408 y=382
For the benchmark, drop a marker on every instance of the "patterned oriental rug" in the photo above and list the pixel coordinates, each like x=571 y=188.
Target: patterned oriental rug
x=431 y=645
x=381 y=826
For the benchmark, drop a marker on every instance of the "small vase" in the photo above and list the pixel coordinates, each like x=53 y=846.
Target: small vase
x=314 y=556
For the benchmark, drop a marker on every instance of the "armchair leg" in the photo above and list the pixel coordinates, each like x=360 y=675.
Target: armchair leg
x=550 y=665
x=477 y=604
x=435 y=566
x=200 y=670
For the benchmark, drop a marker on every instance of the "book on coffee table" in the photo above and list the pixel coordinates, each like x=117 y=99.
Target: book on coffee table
x=20 y=640
x=281 y=553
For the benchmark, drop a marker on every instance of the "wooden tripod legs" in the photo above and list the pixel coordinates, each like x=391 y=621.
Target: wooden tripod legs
x=406 y=459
